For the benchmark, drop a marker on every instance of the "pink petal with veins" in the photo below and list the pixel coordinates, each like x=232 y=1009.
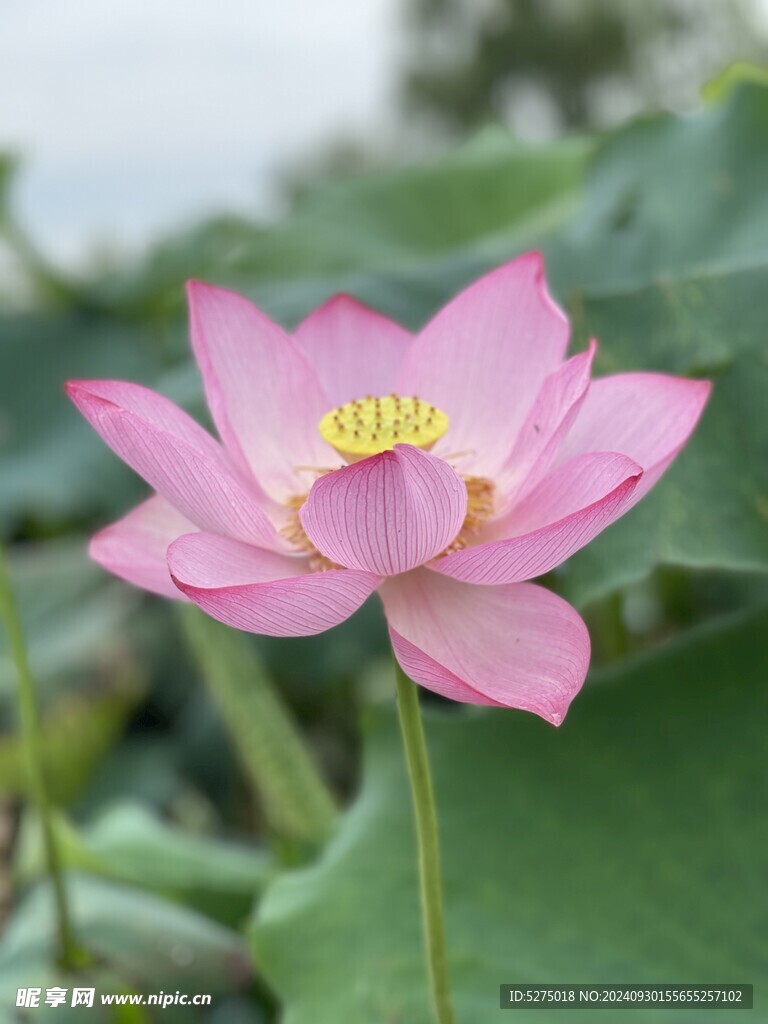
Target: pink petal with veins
x=354 y=350
x=387 y=513
x=261 y=591
x=176 y=457
x=484 y=358
x=263 y=393
x=551 y=416
x=568 y=509
x=648 y=416
x=135 y=547
x=517 y=645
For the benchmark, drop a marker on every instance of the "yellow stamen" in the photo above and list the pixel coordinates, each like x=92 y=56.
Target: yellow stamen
x=480 y=507
x=294 y=533
x=367 y=426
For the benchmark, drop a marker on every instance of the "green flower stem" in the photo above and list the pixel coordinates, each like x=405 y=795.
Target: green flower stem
x=423 y=796
x=32 y=743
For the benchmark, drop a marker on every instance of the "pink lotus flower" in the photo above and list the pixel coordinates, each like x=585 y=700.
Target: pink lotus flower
x=507 y=462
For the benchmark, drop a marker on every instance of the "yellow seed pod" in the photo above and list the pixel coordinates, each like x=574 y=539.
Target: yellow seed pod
x=367 y=426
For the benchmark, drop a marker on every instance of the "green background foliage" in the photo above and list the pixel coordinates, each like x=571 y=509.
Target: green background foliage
x=609 y=849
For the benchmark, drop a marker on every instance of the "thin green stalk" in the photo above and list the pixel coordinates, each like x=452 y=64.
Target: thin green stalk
x=32 y=743
x=429 y=848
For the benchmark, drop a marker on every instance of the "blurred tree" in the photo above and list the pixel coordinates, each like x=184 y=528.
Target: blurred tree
x=548 y=65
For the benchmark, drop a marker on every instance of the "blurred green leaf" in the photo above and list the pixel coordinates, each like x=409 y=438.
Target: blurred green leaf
x=129 y=844
x=237 y=1011
x=52 y=464
x=143 y=768
x=695 y=322
x=74 y=621
x=72 y=612
x=667 y=260
x=78 y=731
x=608 y=850
x=374 y=235
x=297 y=803
x=721 y=86
x=670 y=195
x=8 y=165
x=309 y=665
x=140 y=943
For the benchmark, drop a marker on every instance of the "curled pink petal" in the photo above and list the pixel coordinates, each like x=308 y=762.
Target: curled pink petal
x=551 y=416
x=648 y=416
x=176 y=457
x=261 y=591
x=517 y=645
x=264 y=396
x=134 y=548
x=155 y=409
x=484 y=358
x=387 y=513
x=354 y=350
x=431 y=674
x=564 y=512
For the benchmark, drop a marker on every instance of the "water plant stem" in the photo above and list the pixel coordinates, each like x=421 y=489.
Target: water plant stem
x=423 y=796
x=32 y=744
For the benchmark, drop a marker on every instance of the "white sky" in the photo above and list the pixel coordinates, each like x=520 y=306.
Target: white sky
x=134 y=114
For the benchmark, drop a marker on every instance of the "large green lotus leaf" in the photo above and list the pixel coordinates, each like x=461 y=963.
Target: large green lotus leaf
x=709 y=511
x=666 y=262
x=668 y=194
x=630 y=845
x=694 y=322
